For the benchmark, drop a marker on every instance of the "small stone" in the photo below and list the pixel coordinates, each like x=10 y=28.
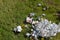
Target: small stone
x=44 y=8
x=26 y=26
x=31 y=29
x=32 y=14
x=39 y=4
x=43 y=14
x=28 y=34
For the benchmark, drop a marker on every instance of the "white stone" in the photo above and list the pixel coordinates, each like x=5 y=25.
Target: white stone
x=44 y=9
x=19 y=29
x=28 y=34
x=29 y=20
x=26 y=26
x=39 y=4
x=34 y=22
x=43 y=14
x=32 y=14
x=58 y=30
x=31 y=29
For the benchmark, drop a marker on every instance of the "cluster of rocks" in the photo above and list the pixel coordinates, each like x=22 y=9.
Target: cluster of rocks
x=42 y=27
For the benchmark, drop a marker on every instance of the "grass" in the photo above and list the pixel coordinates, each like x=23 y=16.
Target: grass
x=13 y=13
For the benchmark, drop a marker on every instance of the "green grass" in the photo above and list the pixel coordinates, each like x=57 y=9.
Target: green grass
x=13 y=13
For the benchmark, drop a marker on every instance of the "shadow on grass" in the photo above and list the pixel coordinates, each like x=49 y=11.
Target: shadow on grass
x=16 y=33
x=58 y=18
x=58 y=15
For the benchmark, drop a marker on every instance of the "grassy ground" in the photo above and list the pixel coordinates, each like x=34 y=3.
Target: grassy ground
x=13 y=13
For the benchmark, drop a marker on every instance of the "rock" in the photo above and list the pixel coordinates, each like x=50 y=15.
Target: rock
x=32 y=14
x=29 y=20
x=43 y=14
x=19 y=29
x=28 y=34
x=39 y=4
